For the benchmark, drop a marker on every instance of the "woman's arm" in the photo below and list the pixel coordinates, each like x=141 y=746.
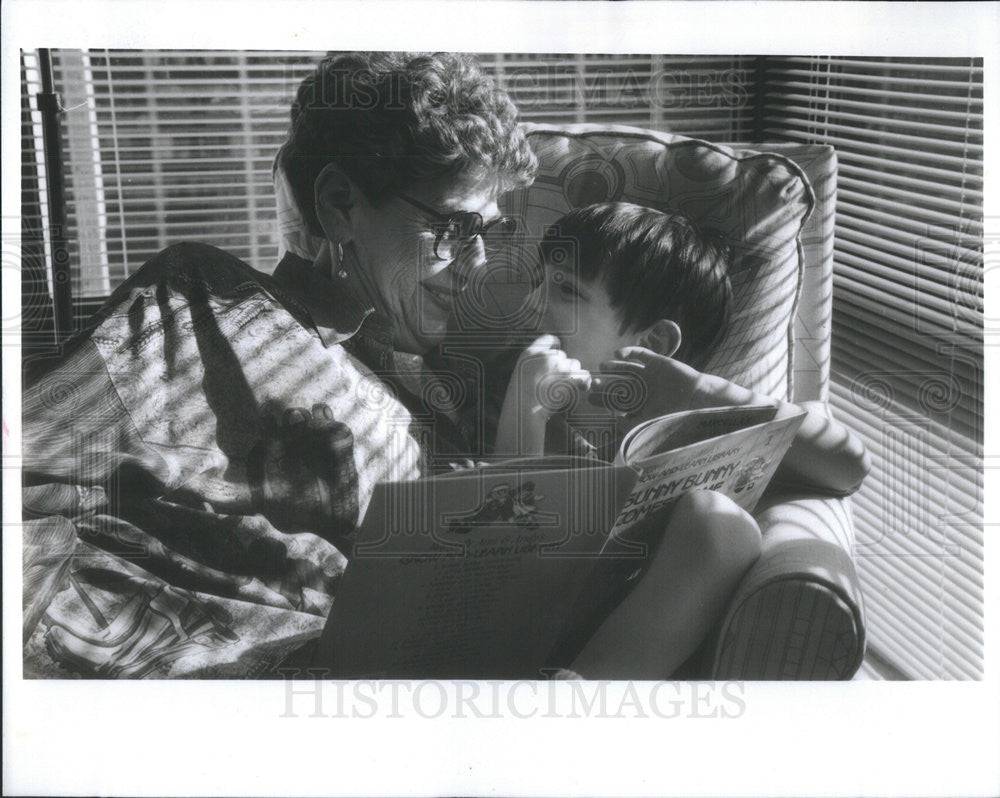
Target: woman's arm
x=824 y=453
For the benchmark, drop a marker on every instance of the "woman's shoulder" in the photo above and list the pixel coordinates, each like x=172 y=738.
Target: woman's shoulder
x=193 y=265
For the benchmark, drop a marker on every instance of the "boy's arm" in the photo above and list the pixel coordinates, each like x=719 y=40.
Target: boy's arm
x=824 y=453
x=520 y=432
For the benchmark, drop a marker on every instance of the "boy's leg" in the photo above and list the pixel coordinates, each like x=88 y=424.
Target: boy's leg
x=708 y=545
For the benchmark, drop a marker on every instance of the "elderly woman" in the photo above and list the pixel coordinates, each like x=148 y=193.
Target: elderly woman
x=213 y=434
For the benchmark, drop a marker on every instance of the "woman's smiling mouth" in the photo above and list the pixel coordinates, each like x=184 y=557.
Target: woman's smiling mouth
x=441 y=297
x=444 y=296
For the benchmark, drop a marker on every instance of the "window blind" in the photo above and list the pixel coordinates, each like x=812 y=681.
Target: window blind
x=704 y=96
x=907 y=359
x=171 y=145
x=37 y=317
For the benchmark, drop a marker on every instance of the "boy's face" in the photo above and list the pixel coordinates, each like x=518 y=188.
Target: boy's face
x=580 y=314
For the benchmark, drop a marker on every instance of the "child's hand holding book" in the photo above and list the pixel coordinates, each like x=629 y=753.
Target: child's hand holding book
x=824 y=454
x=660 y=386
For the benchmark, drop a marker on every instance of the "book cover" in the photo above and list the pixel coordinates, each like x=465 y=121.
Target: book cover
x=501 y=571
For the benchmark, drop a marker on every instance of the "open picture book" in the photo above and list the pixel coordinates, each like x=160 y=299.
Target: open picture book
x=504 y=571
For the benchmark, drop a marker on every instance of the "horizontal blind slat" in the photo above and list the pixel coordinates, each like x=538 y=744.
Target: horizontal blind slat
x=929 y=129
x=968 y=192
x=926 y=555
x=883 y=150
x=962 y=543
x=932 y=318
x=886 y=81
x=879 y=270
x=874 y=222
x=894 y=644
x=871 y=356
x=896 y=571
x=961 y=68
x=859 y=201
x=948 y=444
x=913 y=655
x=955 y=148
x=964 y=625
x=963 y=115
x=911 y=391
x=821 y=91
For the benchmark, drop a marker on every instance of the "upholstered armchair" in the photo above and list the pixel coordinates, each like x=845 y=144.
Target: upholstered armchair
x=798 y=613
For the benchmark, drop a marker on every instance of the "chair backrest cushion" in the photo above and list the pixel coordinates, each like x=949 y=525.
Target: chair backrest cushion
x=811 y=354
x=759 y=201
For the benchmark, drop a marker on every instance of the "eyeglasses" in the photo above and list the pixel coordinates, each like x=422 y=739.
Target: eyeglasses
x=454 y=231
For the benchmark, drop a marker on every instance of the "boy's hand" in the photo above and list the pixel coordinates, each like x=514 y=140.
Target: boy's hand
x=546 y=379
x=641 y=384
x=824 y=454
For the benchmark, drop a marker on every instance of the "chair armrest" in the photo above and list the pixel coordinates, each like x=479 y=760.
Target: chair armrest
x=798 y=612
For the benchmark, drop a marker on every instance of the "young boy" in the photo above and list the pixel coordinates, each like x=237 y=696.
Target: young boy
x=633 y=301
x=639 y=295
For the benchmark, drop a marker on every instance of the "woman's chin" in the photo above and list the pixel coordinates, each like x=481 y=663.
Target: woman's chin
x=429 y=333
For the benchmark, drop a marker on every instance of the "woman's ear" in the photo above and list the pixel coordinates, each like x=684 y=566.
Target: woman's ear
x=335 y=197
x=664 y=337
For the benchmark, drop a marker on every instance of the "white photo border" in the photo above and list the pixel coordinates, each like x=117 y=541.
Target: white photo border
x=228 y=738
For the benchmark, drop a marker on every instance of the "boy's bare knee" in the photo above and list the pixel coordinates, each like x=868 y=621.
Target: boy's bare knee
x=706 y=501
x=718 y=530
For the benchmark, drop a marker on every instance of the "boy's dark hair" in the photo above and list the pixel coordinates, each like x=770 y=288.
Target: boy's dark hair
x=392 y=120
x=654 y=265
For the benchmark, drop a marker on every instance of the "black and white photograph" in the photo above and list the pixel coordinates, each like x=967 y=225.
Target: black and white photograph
x=595 y=383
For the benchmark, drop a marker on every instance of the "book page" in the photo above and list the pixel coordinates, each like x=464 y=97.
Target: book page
x=668 y=433
x=738 y=464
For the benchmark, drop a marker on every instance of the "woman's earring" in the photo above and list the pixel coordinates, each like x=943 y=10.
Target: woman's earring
x=341 y=271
